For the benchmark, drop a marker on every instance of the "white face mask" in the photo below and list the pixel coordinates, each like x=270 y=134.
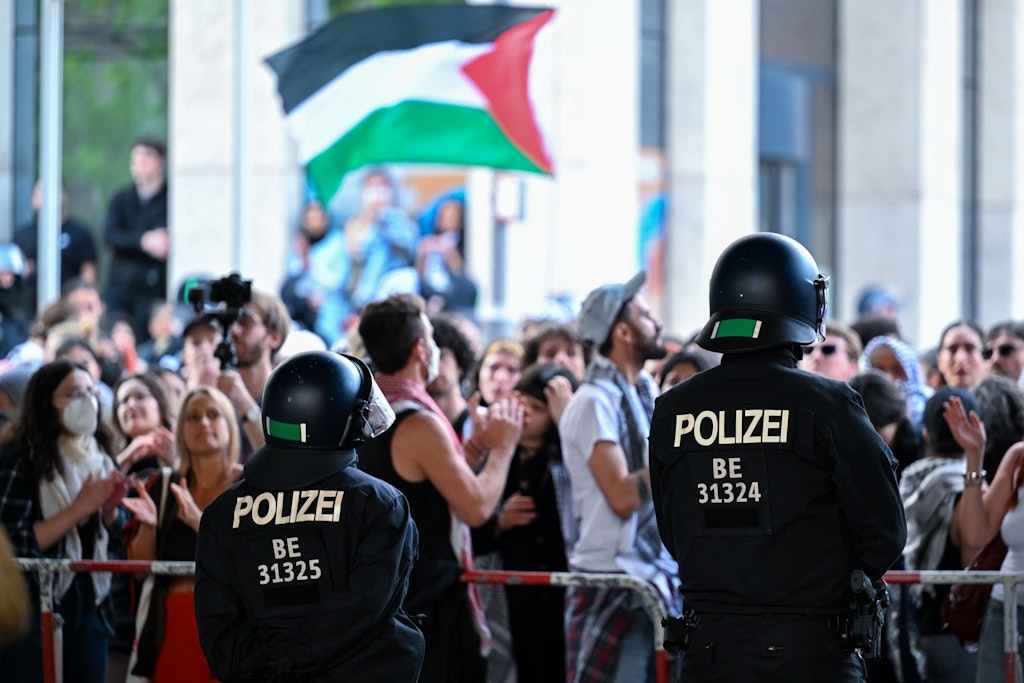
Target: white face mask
x=81 y=415
x=434 y=366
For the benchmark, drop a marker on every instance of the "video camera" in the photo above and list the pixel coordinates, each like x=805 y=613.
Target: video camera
x=221 y=300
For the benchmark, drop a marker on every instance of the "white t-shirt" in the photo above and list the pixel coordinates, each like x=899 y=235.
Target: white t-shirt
x=592 y=415
x=1012 y=530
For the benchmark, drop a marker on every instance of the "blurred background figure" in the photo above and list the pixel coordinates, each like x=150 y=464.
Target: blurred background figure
x=13 y=381
x=77 y=247
x=448 y=389
x=500 y=367
x=1004 y=349
x=959 y=357
x=168 y=372
x=556 y=342
x=837 y=357
x=313 y=270
x=377 y=239
x=898 y=360
x=441 y=259
x=878 y=300
x=684 y=365
x=15 y=312
x=886 y=405
x=164 y=329
x=137 y=236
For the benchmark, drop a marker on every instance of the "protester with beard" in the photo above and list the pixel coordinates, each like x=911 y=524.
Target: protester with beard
x=422 y=457
x=257 y=334
x=609 y=636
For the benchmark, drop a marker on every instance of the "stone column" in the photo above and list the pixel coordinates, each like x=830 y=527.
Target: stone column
x=900 y=159
x=712 y=146
x=1001 y=161
x=204 y=137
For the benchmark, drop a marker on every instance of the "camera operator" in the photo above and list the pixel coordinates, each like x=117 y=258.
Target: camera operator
x=238 y=362
x=257 y=334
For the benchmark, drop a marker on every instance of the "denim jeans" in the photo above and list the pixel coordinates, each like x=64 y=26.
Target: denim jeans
x=991 y=662
x=945 y=661
x=636 y=651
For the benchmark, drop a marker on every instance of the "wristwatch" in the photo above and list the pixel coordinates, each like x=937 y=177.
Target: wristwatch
x=252 y=415
x=974 y=478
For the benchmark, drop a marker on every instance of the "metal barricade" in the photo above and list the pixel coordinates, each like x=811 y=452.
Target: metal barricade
x=50 y=625
x=1011 y=657
x=653 y=602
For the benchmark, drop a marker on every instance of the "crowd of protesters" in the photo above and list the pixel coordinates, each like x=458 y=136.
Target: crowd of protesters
x=122 y=423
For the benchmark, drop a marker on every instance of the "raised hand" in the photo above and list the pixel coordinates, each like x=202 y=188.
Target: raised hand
x=502 y=425
x=142 y=507
x=188 y=511
x=558 y=391
x=96 y=490
x=968 y=430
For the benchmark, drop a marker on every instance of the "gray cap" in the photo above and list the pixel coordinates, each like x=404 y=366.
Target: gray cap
x=602 y=306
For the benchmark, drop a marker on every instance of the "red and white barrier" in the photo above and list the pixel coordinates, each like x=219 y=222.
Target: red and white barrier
x=656 y=608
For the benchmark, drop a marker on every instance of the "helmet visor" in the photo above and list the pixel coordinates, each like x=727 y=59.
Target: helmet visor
x=378 y=413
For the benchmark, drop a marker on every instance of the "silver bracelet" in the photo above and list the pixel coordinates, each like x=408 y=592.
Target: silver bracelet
x=975 y=478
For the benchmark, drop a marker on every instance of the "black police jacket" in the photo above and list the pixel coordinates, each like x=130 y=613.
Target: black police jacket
x=307 y=582
x=771 y=486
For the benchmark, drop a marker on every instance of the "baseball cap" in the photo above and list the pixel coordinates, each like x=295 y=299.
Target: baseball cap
x=602 y=306
x=203 y=319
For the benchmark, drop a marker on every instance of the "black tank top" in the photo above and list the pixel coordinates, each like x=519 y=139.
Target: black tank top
x=437 y=567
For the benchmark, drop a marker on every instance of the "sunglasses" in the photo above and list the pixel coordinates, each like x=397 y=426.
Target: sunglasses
x=1004 y=350
x=826 y=349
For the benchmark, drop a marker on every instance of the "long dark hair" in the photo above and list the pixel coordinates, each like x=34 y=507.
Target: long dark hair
x=35 y=428
x=156 y=389
x=532 y=383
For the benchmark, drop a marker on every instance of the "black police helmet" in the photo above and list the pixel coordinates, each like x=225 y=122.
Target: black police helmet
x=319 y=400
x=765 y=291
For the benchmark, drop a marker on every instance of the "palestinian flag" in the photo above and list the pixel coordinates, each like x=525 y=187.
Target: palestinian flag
x=448 y=84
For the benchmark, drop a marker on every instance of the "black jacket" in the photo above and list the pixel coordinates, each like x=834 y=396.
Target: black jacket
x=128 y=218
x=771 y=486
x=306 y=583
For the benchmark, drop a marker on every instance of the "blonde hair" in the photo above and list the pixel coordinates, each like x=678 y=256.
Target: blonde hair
x=224 y=405
x=509 y=347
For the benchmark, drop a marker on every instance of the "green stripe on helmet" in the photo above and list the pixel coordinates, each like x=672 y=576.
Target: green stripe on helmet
x=737 y=327
x=286 y=431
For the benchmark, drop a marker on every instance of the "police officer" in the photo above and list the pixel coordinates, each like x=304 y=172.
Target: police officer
x=302 y=566
x=770 y=485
